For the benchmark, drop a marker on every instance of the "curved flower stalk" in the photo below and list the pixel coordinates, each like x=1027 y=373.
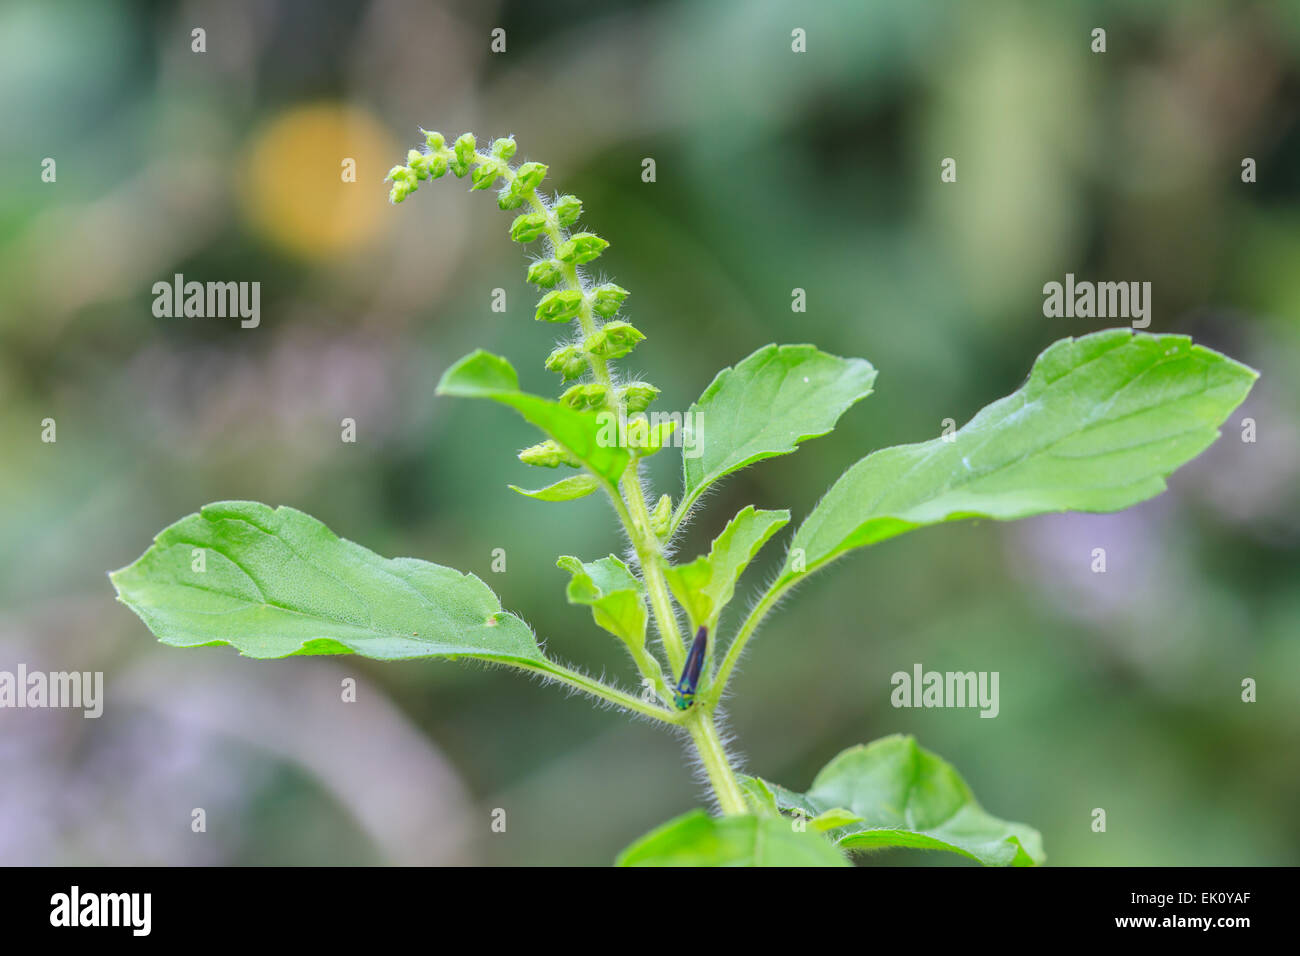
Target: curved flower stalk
x=568 y=296
x=587 y=361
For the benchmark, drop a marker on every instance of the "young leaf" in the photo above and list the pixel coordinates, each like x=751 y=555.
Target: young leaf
x=484 y=375
x=274 y=582
x=566 y=489
x=765 y=406
x=758 y=795
x=706 y=585
x=1099 y=425
x=613 y=594
x=893 y=793
x=833 y=819
x=697 y=839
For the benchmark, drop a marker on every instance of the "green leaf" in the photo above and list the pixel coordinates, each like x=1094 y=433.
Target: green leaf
x=697 y=839
x=833 y=819
x=706 y=585
x=893 y=793
x=276 y=582
x=765 y=406
x=758 y=795
x=1099 y=425
x=484 y=375
x=566 y=489
x=613 y=594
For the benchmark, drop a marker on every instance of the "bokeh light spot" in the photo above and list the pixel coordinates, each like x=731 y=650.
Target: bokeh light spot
x=293 y=191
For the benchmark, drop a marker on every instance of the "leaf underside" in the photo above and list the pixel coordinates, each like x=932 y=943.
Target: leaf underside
x=276 y=582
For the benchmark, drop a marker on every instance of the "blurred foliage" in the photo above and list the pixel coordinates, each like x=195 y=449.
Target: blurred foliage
x=774 y=170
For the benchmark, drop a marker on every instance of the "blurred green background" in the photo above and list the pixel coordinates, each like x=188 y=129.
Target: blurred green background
x=775 y=170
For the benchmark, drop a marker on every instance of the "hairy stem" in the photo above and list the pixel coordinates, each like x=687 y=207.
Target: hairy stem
x=632 y=507
x=737 y=646
x=595 y=688
x=630 y=504
x=714 y=757
x=651 y=556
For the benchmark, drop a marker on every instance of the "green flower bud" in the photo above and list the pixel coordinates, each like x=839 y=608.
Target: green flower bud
x=559 y=306
x=528 y=177
x=507 y=198
x=527 y=227
x=661 y=517
x=547 y=454
x=404 y=183
x=545 y=273
x=581 y=397
x=567 y=209
x=613 y=340
x=464 y=149
x=581 y=248
x=415 y=161
x=436 y=163
x=504 y=148
x=568 y=361
x=607 y=299
x=485 y=175
x=637 y=396
x=434 y=141
x=465 y=146
x=597 y=343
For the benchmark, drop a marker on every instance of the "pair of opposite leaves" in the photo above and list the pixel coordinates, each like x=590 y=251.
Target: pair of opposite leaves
x=1098 y=425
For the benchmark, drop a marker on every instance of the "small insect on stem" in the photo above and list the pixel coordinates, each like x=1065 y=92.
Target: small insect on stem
x=685 y=692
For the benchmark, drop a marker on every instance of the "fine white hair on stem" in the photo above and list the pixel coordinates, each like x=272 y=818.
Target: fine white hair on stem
x=695 y=762
x=547 y=679
x=773 y=577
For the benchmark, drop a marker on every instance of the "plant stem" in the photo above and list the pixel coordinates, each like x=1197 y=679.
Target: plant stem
x=651 y=556
x=737 y=646
x=632 y=507
x=596 y=688
x=630 y=504
x=699 y=722
x=714 y=757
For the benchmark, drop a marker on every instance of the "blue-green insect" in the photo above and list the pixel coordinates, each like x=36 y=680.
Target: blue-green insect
x=685 y=691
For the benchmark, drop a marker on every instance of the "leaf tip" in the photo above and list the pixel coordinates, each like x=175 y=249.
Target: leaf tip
x=478 y=373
